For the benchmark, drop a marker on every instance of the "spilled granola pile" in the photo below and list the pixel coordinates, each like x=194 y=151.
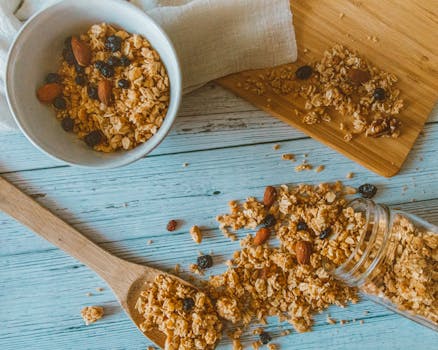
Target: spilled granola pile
x=288 y=281
x=316 y=230
x=343 y=81
x=185 y=315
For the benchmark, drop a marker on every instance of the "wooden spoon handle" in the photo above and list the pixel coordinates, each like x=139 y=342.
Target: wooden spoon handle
x=40 y=220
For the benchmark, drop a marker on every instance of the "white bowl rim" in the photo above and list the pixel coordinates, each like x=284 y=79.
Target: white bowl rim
x=123 y=160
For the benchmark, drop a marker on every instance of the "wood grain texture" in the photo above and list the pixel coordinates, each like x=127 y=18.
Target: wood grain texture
x=42 y=290
x=407 y=47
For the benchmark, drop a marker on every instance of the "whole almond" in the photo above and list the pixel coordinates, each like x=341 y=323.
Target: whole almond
x=303 y=250
x=81 y=51
x=269 y=196
x=261 y=236
x=104 y=91
x=358 y=76
x=47 y=93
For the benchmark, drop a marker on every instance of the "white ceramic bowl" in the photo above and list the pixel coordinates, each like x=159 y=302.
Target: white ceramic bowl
x=36 y=51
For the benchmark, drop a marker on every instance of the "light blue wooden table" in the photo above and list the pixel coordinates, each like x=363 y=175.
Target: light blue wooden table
x=228 y=145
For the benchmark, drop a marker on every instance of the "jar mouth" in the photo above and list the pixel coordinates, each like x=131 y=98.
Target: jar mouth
x=367 y=253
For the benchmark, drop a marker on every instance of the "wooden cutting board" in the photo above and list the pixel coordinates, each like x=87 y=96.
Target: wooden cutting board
x=407 y=33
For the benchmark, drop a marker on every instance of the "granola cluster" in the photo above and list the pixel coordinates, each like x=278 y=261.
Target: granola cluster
x=407 y=277
x=115 y=90
x=91 y=314
x=185 y=315
x=281 y=281
x=365 y=96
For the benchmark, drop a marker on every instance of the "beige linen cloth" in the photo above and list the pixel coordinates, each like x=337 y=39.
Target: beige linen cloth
x=213 y=38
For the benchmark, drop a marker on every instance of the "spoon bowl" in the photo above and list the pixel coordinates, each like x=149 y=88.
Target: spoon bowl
x=126 y=279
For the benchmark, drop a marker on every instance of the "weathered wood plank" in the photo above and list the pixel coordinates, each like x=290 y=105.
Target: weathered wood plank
x=137 y=201
x=210 y=118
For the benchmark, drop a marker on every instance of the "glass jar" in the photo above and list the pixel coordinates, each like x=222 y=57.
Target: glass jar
x=395 y=262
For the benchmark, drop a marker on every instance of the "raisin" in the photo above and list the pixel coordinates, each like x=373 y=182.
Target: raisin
x=106 y=70
x=93 y=138
x=67 y=124
x=124 y=84
x=379 y=94
x=99 y=64
x=268 y=221
x=367 y=190
x=302 y=226
x=188 y=304
x=205 y=261
x=53 y=78
x=171 y=225
x=60 y=103
x=67 y=43
x=92 y=92
x=265 y=338
x=113 y=43
x=79 y=69
x=81 y=80
x=325 y=233
x=125 y=61
x=304 y=72
x=68 y=56
x=114 y=61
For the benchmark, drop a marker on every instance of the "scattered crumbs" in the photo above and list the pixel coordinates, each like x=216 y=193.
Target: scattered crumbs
x=330 y=320
x=341 y=126
x=368 y=37
x=285 y=332
x=269 y=100
x=342 y=322
x=91 y=314
x=149 y=242
x=276 y=147
x=195 y=269
x=256 y=345
x=177 y=268
x=303 y=166
x=361 y=321
x=89 y=294
x=125 y=205
x=305 y=155
x=257 y=331
x=268 y=105
x=99 y=289
x=237 y=345
x=306 y=50
x=350 y=190
x=341 y=15
x=288 y=156
x=374 y=39
x=296 y=111
x=239 y=84
x=319 y=168
x=350 y=175
x=150 y=348
x=348 y=137
x=273 y=347
x=185 y=165
x=366 y=312
x=196 y=234
x=354 y=320
x=229 y=263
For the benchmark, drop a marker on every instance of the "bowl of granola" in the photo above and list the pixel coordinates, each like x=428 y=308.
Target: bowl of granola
x=93 y=83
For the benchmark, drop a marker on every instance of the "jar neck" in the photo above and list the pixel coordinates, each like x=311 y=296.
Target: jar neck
x=371 y=243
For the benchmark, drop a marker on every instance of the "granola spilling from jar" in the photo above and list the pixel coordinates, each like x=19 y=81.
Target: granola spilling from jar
x=408 y=276
x=185 y=315
x=290 y=281
x=365 y=96
x=111 y=89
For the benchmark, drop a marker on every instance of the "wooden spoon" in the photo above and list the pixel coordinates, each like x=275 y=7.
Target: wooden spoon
x=126 y=279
